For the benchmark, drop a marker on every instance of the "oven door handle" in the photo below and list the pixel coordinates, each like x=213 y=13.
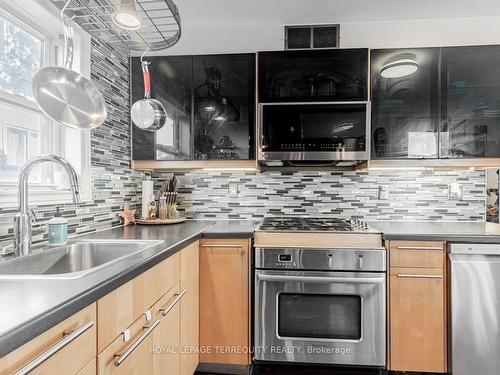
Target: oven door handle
x=322 y=279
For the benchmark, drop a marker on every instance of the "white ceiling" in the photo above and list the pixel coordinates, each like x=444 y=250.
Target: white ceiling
x=316 y=11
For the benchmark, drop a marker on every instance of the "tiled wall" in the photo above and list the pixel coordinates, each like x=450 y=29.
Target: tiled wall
x=412 y=195
x=114 y=183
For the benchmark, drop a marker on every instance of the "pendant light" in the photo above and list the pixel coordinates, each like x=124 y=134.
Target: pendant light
x=125 y=16
x=399 y=66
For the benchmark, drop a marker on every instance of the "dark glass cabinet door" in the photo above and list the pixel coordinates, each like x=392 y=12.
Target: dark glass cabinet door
x=313 y=75
x=470 y=124
x=224 y=107
x=405 y=103
x=171 y=81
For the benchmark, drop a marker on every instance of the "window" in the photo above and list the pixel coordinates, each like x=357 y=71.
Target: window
x=31 y=38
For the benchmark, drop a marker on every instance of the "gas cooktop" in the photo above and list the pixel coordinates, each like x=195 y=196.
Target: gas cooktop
x=313 y=224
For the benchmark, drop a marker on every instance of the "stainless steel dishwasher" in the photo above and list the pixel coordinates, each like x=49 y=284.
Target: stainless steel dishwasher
x=475 y=308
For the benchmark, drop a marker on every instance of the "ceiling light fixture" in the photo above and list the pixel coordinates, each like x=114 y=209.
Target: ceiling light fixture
x=401 y=65
x=342 y=127
x=126 y=17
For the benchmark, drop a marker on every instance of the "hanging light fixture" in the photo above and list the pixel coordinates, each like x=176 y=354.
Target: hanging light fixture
x=400 y=65
x=126 y=17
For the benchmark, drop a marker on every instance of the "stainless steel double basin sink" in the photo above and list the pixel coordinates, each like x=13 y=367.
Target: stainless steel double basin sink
x=74 y=260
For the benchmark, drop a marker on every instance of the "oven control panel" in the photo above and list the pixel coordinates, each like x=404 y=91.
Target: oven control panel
x=321 y=259
x=285 y=261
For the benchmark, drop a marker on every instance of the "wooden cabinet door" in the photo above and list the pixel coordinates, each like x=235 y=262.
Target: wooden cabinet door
x=190 y=307
x=224 y=300
x=167 y=337
x=71 y=342
x=417 y=320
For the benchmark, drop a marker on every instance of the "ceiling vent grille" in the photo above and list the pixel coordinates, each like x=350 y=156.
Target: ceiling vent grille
x=312 y=36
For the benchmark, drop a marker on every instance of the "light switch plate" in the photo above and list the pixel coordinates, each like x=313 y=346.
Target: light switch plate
x=233 y=190
x=455 y=191
x=383 y=192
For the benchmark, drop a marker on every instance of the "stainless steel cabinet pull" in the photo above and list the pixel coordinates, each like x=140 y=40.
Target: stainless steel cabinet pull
x=164 y=311
x=68 y=338
x=123 y=356
x=322 y=279
x=223 y=245
x=408 y=276
x=419 y=248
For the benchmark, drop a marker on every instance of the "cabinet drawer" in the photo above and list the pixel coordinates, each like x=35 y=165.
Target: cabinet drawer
x=417 y=311
x=167 y=337
x=130 y=356
x=120 y=308
x=416 y=254
x=70 y=345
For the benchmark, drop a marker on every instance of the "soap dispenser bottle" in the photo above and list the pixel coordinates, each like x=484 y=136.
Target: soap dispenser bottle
x=58 y=229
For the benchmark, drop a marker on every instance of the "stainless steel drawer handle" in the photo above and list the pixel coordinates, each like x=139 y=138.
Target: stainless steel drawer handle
x=224 y=245
x=69 y=336
x=408 y=276
x=123 y=356
x=419 y=248
x=164 y=311
x=321 y=279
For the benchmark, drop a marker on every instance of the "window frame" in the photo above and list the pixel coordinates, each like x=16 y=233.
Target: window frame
x=23 y=16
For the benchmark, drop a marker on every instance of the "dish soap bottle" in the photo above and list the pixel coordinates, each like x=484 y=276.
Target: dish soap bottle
x=58 y=229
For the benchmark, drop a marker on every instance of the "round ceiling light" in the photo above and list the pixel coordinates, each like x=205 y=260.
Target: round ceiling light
x=125 y=16
x=399 y=66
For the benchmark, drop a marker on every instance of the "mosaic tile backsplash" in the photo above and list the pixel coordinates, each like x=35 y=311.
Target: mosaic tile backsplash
x=412 y=195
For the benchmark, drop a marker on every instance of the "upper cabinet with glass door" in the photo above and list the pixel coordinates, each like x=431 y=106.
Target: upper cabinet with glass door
x=470 y=125
x=405 y=103
x=326 y=75
x=224 y=107
x=171 y=79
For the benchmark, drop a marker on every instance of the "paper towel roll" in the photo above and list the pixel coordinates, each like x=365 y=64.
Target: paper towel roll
x=147 y=191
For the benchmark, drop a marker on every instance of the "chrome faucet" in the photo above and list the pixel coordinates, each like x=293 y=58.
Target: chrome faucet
x=22 y=221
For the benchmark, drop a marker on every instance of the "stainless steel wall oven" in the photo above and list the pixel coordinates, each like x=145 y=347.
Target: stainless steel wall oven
x=321 y=306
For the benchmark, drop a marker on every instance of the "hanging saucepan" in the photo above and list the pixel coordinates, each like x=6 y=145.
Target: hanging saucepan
x=148 y=114
x=65 y=95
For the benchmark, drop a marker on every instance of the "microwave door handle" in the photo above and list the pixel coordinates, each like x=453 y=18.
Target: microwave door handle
x=322 y=279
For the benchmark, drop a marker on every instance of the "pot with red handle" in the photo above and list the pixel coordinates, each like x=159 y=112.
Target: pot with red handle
x=148 y=113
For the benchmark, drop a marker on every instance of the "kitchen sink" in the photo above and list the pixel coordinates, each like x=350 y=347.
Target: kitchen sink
x=74 y=260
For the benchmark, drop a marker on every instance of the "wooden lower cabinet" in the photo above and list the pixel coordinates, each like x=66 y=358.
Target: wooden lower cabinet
x=90 y=369
x=167 y=336
x=190 y=309
x=78 y=331
x=120 y=308
x=418 y=308
x=225 y=301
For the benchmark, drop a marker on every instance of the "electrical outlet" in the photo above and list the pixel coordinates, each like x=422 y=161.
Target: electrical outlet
x=233 y=190
x=383 y=192
x=455 y=191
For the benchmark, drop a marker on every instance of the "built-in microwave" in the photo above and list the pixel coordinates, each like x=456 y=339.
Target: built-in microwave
x=323 y=133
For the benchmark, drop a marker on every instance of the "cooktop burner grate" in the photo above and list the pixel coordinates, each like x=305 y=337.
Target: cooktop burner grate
x=311 y=224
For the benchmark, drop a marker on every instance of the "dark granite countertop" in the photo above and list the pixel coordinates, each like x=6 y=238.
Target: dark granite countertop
x=468 y=232
x=30 y=307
